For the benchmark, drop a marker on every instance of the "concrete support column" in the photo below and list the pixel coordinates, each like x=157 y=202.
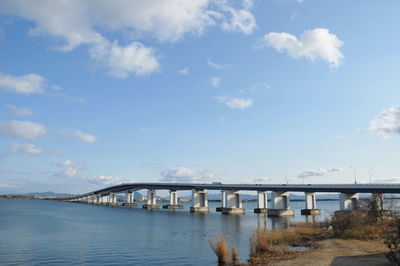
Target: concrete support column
x=378 y=200
x=262 y=202
x=92 y=199
x=98 y=197
x=311 y=204
x=173 y=201
x=104 y=199
x=199 y=200
x=173 y=197
x=233 y=203
x=112 y=199
x=151 y=200
x=280 y=204
x=130 y=199
x=223 y=202
x=348 y=201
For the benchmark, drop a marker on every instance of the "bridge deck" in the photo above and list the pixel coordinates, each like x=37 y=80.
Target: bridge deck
x=341 y=188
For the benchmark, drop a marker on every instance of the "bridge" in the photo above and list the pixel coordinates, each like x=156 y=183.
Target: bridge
x=231 y=202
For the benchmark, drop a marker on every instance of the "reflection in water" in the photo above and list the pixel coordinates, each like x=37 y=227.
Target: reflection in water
x=231 y=224
x=262 y=223
x=311 y=219
x=96 y=235
x=280 y=222
x=198 y=226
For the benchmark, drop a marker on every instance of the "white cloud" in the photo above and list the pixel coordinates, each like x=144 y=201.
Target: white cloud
x=8 y=186
x=262 y=180
x=387 y=123
x=84 y=136
x=241 y=20
x=121 y=61
x=186 y=175
x=67 y=98
x=26 y=84
x=215 y=81
x=56 y=88
x=184 y=71
x=388 y=180
x=73 y=169
x=19 y=111
x=218 y=66
x=260 y=86
x=68 y=168
x=31 y=84
x=316 y=44
x=75 y=23
x=319 y=172
x=25 y=148
x=235 y=103
x=22 y=129
x=104 y=180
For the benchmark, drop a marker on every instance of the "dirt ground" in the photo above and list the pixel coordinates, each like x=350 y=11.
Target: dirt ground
x=343 y=252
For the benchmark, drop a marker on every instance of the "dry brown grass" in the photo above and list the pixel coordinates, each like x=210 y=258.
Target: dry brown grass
x=226 y=256
x=220 y=248
x=359 y=225
x=235 y=256
x=271 y=246
x=264 y=241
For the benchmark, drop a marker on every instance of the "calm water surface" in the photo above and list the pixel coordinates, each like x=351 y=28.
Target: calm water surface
x=36 y=232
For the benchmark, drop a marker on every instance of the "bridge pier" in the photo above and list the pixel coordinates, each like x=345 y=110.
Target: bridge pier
x=104 y=199
x=173 y=201
x=92 y=199
x=199 y=200
x=96 y=199
x=262 y=202
x=280 y=204
x=348 y=201
x=112 y=199
x=151 y=200
x=130 y=200
x=378 y=201
x=223 y=202
x=311 y=205
x=233 y=203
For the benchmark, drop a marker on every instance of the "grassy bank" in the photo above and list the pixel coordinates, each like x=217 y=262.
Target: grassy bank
x=366 y=231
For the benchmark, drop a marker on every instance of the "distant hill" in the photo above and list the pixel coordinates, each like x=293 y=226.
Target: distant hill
x=136 y=196
x=49 y=194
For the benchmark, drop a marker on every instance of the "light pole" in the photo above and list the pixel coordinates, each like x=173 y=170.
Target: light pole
x=355 y=174
x=286 y=176
x=370 y=178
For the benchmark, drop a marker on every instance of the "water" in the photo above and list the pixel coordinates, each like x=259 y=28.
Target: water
x=36 y=232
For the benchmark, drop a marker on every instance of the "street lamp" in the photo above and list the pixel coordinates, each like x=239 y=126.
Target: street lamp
x=355 y=174
x=370 y=179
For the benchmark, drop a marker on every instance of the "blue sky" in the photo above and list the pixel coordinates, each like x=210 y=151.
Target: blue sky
x=95 y=93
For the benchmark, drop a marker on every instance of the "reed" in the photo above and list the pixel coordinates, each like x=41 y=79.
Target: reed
x=221 y=249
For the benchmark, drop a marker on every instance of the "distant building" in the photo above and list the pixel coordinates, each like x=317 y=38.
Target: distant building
x=143 y=198
x=184 y=200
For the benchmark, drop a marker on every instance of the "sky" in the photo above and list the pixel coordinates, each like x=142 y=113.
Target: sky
x=97 y=93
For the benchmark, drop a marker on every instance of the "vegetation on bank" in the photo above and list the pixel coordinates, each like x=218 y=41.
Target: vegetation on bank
x=367 y=223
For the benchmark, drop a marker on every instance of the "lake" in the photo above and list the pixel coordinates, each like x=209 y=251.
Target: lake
x=38 y=232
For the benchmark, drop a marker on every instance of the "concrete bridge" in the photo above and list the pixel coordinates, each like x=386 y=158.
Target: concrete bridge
x=231 y=202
